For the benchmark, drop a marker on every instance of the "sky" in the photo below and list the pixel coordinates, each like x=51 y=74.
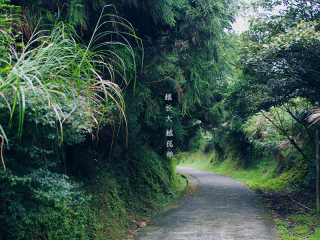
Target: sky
x=244 y=15
x=242 y=24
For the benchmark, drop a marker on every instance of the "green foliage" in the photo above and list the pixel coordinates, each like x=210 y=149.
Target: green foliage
x=75 y=12
x=277 y=84
x=63 y=86
x=293 y=11
x=291 y=50
x=49 y=205
x=41 y=204
x=300 y=225
x=282 y=65
x=61 y=80
x=187 y=53
x=161 y=12
x=56 y=89
x=277 y=131
x=129 y=190
x=9 y=29
x=257 y=171
x=197 y=142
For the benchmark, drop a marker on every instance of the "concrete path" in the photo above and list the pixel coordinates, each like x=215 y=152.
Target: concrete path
x=221 y=208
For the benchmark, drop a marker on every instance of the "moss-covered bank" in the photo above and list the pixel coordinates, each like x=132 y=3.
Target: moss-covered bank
x=109 y=204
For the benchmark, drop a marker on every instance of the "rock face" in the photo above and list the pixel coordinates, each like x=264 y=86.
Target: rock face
x=221 y=208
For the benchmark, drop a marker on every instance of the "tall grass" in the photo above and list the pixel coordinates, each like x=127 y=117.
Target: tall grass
x=75 y=81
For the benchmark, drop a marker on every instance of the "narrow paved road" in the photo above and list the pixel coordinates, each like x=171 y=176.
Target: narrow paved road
x=220 y=209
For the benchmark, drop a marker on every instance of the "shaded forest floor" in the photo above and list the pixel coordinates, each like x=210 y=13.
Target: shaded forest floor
x=294 y=213
x=282 y=205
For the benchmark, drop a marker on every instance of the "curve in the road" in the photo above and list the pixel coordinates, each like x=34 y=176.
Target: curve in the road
x=222 y=208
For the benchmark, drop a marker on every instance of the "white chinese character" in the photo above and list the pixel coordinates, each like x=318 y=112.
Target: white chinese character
x=170 y=154
x=169 y=133
x=168 y=97
x=169 y=143
x=169 y=119
x=168 y=108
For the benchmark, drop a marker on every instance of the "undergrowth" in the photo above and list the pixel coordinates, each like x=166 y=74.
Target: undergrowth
x=261 y=174
x=301 y=225
x=60 y=94
x=109 y=205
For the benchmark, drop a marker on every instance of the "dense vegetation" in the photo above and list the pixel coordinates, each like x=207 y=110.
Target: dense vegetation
x=276 y=92
x=97 y=96
x=85 y=109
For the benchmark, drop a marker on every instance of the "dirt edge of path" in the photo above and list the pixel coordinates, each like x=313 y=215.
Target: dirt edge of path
x=190 y=190
x=192 y=184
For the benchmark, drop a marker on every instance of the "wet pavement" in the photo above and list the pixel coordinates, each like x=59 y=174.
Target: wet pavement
x=218 y=208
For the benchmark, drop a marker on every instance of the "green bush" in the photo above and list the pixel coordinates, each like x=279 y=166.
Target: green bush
x=41 y=204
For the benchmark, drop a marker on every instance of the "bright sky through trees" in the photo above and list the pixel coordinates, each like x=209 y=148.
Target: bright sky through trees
x=240 y=25
x=247 y=12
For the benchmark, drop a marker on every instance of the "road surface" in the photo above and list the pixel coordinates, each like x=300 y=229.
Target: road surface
x=221 y=208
